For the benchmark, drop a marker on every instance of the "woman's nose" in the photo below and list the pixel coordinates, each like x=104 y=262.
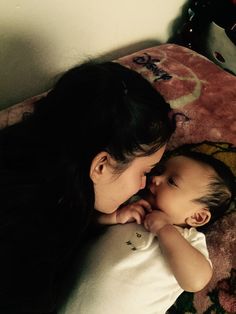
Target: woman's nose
x=143 y=183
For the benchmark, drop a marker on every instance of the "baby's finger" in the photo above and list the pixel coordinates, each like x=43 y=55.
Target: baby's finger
x=138 y=218
x=145 y=205
x=145 y=224
x=139 y=208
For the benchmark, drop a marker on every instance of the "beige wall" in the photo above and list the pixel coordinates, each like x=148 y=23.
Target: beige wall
x=41 y=38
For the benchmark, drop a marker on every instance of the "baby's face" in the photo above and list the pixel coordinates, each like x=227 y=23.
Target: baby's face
x=181 y=182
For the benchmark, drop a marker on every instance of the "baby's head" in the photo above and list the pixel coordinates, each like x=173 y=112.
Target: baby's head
x=192 y=188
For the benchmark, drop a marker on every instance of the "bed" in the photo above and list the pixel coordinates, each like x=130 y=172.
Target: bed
x=199 y=82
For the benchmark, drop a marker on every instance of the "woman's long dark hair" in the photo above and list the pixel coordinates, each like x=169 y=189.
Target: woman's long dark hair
x=94 y=107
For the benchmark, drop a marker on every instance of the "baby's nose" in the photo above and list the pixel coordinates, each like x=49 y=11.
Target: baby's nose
x=157 y=180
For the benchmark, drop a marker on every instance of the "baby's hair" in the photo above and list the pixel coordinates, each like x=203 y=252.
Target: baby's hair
x=221 y=188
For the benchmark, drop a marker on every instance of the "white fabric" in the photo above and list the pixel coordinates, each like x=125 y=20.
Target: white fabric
x=124 y=273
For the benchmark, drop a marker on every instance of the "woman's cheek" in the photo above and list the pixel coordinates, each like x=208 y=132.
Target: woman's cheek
x=135 y=187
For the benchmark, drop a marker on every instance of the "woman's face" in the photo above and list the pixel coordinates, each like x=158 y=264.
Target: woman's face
x=111 y=189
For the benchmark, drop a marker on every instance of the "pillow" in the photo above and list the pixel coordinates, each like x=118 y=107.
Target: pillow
x=18 y=112
x=202 y=95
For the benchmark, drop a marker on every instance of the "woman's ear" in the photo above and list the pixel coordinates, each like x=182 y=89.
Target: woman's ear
x=99 y=166
x=199 y=218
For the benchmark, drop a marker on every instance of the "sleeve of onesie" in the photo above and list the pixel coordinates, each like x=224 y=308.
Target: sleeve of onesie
x=197 y=240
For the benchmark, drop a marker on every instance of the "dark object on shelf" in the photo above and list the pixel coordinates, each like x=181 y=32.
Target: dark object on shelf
x=209 y=28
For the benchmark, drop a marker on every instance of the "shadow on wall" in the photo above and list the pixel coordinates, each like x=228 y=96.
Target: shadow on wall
x=126 y=50
x=177 y=24
x=27 y=69
x=24 y=72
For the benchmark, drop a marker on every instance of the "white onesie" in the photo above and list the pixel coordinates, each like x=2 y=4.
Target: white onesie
x=124 y=273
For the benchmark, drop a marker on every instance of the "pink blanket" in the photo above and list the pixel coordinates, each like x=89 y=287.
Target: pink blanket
x=202 y=93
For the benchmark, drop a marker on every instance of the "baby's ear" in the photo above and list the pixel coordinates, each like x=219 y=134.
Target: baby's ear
x=199 y=218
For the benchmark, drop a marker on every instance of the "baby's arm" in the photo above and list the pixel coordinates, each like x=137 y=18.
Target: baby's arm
x=128 y=213
x=190 y=267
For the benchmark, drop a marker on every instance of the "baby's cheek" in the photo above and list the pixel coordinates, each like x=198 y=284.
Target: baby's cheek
x=160 y=202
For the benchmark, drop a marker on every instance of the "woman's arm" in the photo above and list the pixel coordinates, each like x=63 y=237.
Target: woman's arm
x=107 y=219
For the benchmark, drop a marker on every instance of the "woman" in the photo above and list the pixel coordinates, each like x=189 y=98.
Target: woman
x=86 y=148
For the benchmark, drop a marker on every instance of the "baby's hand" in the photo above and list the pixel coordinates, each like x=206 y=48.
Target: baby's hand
x=133 y=212
x=156 y=220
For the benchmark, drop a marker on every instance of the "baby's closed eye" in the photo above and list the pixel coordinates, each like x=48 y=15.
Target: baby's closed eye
x=172 y=182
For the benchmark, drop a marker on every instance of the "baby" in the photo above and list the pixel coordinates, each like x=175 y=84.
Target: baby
x=143 y=267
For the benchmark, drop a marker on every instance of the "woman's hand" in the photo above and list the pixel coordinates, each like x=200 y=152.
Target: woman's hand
x=133 y=212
